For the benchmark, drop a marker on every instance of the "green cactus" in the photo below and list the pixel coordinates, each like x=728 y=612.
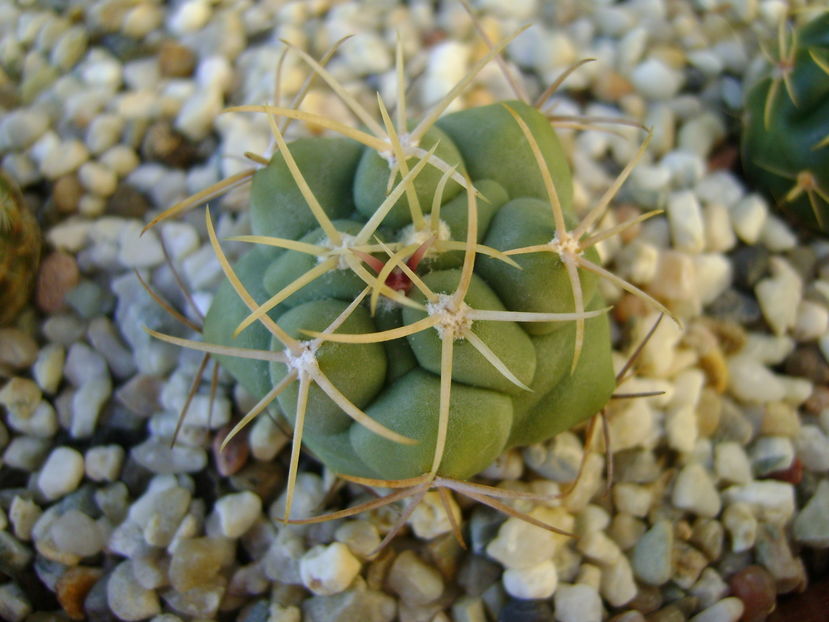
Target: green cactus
x=20 y=244
x=785 y=140
x=417 y=298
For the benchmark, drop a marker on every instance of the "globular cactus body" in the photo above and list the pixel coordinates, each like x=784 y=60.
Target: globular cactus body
x=20 y=245
x=512 y=381
x=785 y=140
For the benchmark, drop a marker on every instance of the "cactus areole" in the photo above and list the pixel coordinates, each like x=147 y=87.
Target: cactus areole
x=785 y=141
x=425 y=312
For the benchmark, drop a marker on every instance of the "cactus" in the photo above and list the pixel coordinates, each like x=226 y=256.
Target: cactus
x=417 y=297
x=785 y=140
x=20 y=244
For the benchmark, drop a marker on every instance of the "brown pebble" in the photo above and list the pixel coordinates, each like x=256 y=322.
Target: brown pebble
x=176 y=60
x=72 y=588
x=624 y=213
x=612 y=87
x=807 y=362
x=818 y=400
x=793 y=474
x=127 y=202
x=628 y=308
x=58 y=275
x=167 y=145
x=755 y=587
x=234 y=455
x=67 y=192
x=17 y=349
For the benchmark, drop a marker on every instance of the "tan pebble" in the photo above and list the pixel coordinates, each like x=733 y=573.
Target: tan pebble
x=780 y=419
x=630 y=307
x=730 y=335
x=234 y=455
x=612 y=87
x=709 y=409
x=17 y=349
x=66 y=193
x=72 y=588
x=818 y=400
x=625 y=212
x=58 y=275
x=176 y=60
x=478 y=97
x=714 y=364
x=675 y=278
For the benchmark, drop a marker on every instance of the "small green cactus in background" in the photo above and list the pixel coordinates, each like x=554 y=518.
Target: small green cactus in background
x=785 y=140
x=417 y=297
x=20 y=244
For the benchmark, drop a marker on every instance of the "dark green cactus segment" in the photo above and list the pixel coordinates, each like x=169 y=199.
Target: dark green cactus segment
x=479 y=425
x=277 y=207
x=225 y=313
x=359 y=371
x=506 y=339
x=401 y=359
x=340 y=283
x=542 y=285
x=372 y=177
x=785 y=143
x=494 y=147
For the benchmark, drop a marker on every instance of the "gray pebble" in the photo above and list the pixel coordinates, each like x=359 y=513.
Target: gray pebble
x=413 y=580
x=652 y=558
x=83 y=363
x=87 y=403
x=104 y=338
x=811 y=526
x=361 y=604
x=61 y=473
x=76 y=533
x=14 y=605
x=26 y=452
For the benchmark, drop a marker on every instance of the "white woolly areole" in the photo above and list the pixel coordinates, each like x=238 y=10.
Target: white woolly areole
x=406 y=144
x=409 y=235
x=305 y=362
x=452 y=321
x=341 y=250
x=569 y=245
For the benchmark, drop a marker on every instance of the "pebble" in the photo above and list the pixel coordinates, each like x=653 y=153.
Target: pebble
x=655 y=80
x=731 y=463
x=20 y=396
x=196 y=561
x=127 y=598
x=748 y=217
x=14 y=604
x=770 y=454
x=355 y=604
x=72 y=588
x=577 y=603
x=741 y=525
x=57 y=276
x=751 y=381
x=535 y=582
x=103 y=463
x=196 y=116
x=237 y=512
x=103 y=336
x=64 y=158
x=76 y=533
x=121 y=159
x=137 y=250
x=774 y=552
x=23 y=514
x=157 y=456
x=141 y=20
x=686 y=221
x=811 y=525
x=61 y=473
x=755 y=587
x=97 y=178
x=618 y=586
x=42 y=423
x=780 y=295
x=22 y=127
x=695 y=492
x=416 y=582
x=26 y=452
x=727 y=610
x=709 y=588
x=521 y=545
x=429 y=518
x=652 y=556
x=520 y=610
x=770 y=500
x=558 y=459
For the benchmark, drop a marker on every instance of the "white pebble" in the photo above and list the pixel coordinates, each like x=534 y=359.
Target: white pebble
x=103 y=463
x=741 y=525
x=121 y=158
x=655 y=80
x=137 y=250
x=617 y=583
x=47 y=370
x=237 y=512
x=813 y=448
x=64 y=158
x=446 y=66
x=770 y=500
x=714 y=275
x=686 y=168
x=215 y=73
x=141 y=20
x=42 y=423
x=577 y=603
x=727 y=610
x=719 y=234
x=748 y=217
x=97 y=178
x=127 y=598
x=770 y=454
x=779 y=295
x=521 y=545
x=599 y=548
x=777 y=236
x=731 y=463
x=77 y=534
x=812 y=321
x=685 y=219
x=429 y=518
x=103 y=132
x=751 y=381
x=61 y=473
x=195 y=119
x=633 y=499
x=700 y=134
x=535 y=582
x=189 y=17
x=328 y=570
x=695 y=492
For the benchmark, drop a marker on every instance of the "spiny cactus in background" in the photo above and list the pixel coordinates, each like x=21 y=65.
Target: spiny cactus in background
x=20 y=244
x=418 y=297
x=785 y=141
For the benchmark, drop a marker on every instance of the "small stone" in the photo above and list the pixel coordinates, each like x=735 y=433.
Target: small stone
x=141 y=20
x=69 y=48
x=776 y=235
x=688 y=564
x=42 y=423
x=748 y=217
x=727 y=610
x=360 y=536
x=429 y=519
x=176 y=60
x=709 y=588
x=812 y=321
x=76 y=533
x=103 y=336
x=195 y=119
x=103 y=132
x=695 y=492
x=577 y=603
x=655 y=80
x=87 y=403
x=520 y=610
x=25 y=452
x=598 y=547
x=652 y=556
x=103 y=463
x=731 y=463
x=24 y=513
x=770 y=454
x=237 y=512
x=811 y=525
x=685 y=218
x=64 y=158
x=58 y=274
x=535 y=582
x=21 y=397
x=137 y=249
x=328 y=570
x=164 y=144
x=618 y=586
x=127 y=598
x=73 y=586
x=196 y=561
x=97 y=178
x=741 y=524
x=140 y=394
x=521 y=545
x=770 y=500
x=754 y=586
x=773 y=550
x=66 y=193
x=17 y=349
x=14 y=605
x=61 y=473
x=780 y=295
x=751 y=381
x=122 y=159
x=361 y=604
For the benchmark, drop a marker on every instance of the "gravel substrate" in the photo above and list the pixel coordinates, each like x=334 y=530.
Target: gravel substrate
x=111 y=112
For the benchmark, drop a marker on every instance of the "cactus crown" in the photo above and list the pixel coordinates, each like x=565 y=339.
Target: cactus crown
x=785 y=141
x=417 y=297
